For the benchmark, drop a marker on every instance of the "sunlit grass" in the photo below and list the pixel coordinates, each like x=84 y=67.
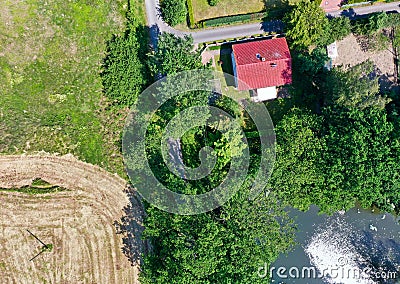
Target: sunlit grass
x=51 y=99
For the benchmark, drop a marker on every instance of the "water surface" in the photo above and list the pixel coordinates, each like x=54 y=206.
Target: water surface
x=359 y=246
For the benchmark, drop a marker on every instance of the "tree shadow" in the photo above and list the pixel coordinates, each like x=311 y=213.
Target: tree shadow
x=131 y=227
x=154 y=33
x=350 y=13
x=276 y=9
x=272 y=26
x=226 y=64
x=286 y=73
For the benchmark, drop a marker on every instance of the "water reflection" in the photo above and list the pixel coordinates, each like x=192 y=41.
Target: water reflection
x=353 y=247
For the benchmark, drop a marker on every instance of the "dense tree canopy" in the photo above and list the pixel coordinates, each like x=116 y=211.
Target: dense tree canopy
x=174 y=54
x=125 y=75
x=346 y=151
x=306 y=24
x=173 y=11
x=337 y=29
x=225 y=245
x=298 y=174
x=354 y=88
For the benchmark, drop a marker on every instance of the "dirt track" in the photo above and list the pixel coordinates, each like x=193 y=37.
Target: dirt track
x=79 y=222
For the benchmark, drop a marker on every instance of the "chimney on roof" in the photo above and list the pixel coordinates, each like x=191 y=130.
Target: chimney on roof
x=263 y=59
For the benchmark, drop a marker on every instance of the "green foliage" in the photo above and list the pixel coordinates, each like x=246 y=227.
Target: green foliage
x=298 y=176
x=354 y=89
x=306 y=24
x=192 y=21
x=233 y=19
x=355 y=1
x=51 y=91
x=173 y=11
x=213 y=2
x=48 y=248
x=360 y=161
x=308 y=72
x=124 y=75
x=396 y=38
x=375 y=23
x=37 y=189
x=224 y=246
x=174 y=54
x=393 y=20
x=346 y=151
x=338 y=28
x=228 y=244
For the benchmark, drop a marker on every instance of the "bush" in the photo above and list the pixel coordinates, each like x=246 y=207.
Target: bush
x=338 y=28
x=124 y=75
x=192 y=22
x=393 y=20
x=355 y=1
x=213 y=2
x=173 y=11
x=376 y=22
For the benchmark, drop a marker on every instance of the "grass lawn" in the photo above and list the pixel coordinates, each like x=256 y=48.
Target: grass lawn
x=204 y=11
x=50 y=87
x=223 y=63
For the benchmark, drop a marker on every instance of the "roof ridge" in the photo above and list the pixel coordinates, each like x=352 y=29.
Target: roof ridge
x=287 y=58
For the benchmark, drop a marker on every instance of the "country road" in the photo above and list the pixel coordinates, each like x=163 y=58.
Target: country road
x=362 y=11
x=157 y=25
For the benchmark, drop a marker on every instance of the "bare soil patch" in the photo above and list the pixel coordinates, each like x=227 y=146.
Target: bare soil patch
x=80 y=223
x=350 y=54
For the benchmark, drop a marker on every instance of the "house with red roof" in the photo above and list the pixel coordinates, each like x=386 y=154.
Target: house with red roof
x=261 y=66
x=330 y=5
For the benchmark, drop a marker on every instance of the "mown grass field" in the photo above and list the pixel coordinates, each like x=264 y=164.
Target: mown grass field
x=204 y=11
x=51 y=55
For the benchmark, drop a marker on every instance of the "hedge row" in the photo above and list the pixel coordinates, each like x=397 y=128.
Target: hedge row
x=375 y=22
x=192 y=22
x=232 y=19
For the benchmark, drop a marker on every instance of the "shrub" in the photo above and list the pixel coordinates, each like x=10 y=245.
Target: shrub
x=213 y=2
x=338 y=28
x=376 y=22
x=192 y=22
x=124 y=75
x=173 y=11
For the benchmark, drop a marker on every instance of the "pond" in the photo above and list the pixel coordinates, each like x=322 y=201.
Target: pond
x=358 y=246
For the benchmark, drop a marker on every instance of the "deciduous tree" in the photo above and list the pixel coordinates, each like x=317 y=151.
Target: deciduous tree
x=306 y=24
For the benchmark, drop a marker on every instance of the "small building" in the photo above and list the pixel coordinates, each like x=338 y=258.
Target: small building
x=332 y=50
x=261 y=66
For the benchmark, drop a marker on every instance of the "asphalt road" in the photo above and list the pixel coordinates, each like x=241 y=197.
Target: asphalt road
x=157 y=25
x=361 y=11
